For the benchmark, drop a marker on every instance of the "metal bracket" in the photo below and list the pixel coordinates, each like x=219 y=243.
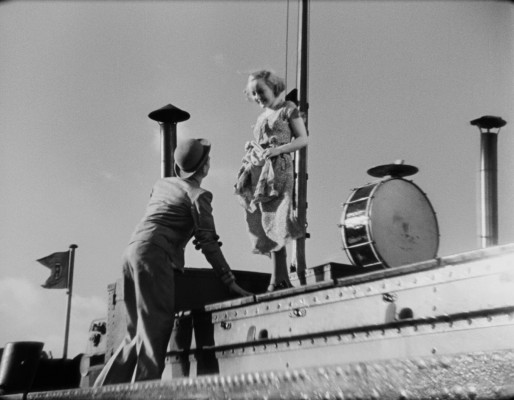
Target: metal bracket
x=389 y=297
x=298 y=312
x=226 y=325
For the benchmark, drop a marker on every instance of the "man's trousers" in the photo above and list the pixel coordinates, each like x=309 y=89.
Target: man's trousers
x=149 y=291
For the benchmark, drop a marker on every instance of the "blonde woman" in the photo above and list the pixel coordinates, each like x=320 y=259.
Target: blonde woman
x=265 y=180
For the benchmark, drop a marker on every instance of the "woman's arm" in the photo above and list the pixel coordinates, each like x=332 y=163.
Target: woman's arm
x=299 y=141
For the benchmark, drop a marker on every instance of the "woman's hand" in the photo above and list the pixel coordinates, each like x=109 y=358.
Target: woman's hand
x=271 y=152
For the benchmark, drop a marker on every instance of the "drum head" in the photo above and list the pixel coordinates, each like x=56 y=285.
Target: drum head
x=403 y=225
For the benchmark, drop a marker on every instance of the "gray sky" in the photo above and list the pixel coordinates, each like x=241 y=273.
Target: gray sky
x=79 y=155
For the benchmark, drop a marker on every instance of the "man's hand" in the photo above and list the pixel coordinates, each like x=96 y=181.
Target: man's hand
x=236 y=289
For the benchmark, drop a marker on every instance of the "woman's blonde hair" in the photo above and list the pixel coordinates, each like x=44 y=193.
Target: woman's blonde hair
x=273 y=81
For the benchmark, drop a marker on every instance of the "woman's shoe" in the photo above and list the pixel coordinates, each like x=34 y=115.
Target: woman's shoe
x=273 y=287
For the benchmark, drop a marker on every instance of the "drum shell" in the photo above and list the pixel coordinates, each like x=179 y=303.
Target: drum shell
x=19 y=364
x=389 y=223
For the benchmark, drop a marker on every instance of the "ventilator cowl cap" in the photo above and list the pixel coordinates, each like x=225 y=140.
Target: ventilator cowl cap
x=190 y=155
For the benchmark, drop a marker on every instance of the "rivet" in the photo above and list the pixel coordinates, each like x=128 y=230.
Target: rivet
x=296 y=375
x=303 y=374
x=322 y=372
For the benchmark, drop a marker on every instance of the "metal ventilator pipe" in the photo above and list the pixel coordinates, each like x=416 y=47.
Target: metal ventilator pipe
x=168 y=117
x=489 y=127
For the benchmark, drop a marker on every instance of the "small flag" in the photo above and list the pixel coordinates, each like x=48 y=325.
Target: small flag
x=58 y=264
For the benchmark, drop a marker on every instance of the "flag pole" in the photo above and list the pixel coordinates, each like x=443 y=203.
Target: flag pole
x=69 y=293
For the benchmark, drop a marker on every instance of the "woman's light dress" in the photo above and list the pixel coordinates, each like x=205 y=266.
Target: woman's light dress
x=266 y=191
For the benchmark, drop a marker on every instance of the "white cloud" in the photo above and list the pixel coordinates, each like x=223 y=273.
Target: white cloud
x=29 y=312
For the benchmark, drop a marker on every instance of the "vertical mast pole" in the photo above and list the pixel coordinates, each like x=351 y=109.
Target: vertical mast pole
x=71 y=262
x=301 y=157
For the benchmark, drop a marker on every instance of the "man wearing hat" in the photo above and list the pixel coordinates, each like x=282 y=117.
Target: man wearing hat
x=178 y=209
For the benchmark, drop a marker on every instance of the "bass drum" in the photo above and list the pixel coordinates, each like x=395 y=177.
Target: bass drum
x=389 y=223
